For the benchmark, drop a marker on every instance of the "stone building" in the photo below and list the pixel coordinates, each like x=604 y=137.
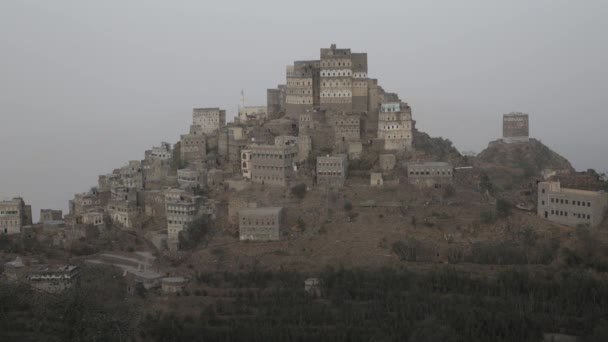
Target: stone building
x=15 y=270
x=275 y=99
x=191 y=178
x=131 y=175
x=231 y=140
x=95 y=218
x=246 y=163
x=156 y=173
x=430 y=174
x=571 y=206
x=122 y=207
x=162 y=152
x=215 y=179
x=347 y=127
x=50 y=215
x=14 y=214
x=302 y=88
x=193 y=146
x=260 y=224
x=332 y=170
x=173 y=284
x=395 y=126
x=272 y=164
x=515 y=128
x=53 y=279
x=375 y=179
x=181 y=208
x=252 y=113
x=210 y=119
x=343 y=80
x=387 y=162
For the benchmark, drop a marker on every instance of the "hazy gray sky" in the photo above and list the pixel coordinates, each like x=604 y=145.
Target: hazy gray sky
x=86 y=86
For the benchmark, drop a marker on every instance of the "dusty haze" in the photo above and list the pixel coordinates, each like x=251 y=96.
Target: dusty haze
x=86 y=86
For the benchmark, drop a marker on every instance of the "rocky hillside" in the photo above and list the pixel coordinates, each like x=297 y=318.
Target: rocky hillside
x=511 y=165
x=437 y=148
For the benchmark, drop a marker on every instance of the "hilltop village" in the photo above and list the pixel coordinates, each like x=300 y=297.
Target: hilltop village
x=332 y=170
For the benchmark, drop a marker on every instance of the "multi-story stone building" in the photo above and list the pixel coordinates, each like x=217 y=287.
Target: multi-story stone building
x=50 y=215
x=272 y=164
x=246 y=163
x=571 y=206
x=53 y=279
x=191 y=178
x=210 y=119
x=430 y=174
x=260 y=224
x=132 y=175
x=395 y=126
x=193 y=146
x=275 y=99
x=343 y=80
x=14 y=214
x=515 y=128
x=302 y=88
x=332 y=170
x=122 y=207
x=181 y=208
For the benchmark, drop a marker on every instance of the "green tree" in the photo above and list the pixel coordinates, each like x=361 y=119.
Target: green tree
x=194 y=232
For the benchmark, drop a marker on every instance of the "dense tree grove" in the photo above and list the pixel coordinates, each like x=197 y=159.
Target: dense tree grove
x=517 y=304
x=389 y=305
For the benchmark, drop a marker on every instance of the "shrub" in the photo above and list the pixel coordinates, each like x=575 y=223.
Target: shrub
x=299 y=190
x=503 y=208
x=348 y=206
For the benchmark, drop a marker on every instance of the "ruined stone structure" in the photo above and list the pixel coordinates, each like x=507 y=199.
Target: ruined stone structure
x=387 y=162
x=14 y=214
x=50 y=215
x=395 y=126
x=332 y=170
x=571 y=206
x=95 y=218
x=215 y=179
x=515 y=128
x=430 y=174
x=272 y=164
x=193 y=146
x=232 y=139
x=260 y=224
x=252 y=113
x=210 y=119
x=275 y=99
x=162 y=152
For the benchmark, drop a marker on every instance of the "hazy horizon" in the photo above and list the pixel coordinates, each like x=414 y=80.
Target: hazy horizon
x=86 y=87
